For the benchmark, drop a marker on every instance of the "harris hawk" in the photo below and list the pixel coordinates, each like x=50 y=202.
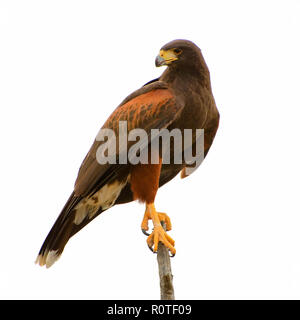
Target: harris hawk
x=180 y=98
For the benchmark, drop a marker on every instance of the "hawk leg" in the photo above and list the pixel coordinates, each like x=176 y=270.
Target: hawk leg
x=144 y=182
x=158 y=233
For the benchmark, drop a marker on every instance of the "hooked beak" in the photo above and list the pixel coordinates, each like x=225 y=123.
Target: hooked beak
x=159 y=61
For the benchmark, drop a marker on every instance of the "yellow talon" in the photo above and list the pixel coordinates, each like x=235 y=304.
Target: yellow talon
x=158 y=234
x=166 y=219
x=163 y=217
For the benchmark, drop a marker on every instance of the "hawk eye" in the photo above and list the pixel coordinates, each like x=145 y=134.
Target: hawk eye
x=177 y=51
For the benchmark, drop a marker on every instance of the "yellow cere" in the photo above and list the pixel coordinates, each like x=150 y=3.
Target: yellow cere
x=168 y=55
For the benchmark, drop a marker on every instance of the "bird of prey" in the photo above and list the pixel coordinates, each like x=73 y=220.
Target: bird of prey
x=181 y=98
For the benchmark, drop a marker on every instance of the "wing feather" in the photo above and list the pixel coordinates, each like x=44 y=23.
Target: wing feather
x=155 y=107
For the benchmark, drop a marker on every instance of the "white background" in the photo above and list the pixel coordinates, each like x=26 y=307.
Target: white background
x=65 y=65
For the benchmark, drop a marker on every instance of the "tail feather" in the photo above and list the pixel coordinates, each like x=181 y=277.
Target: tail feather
x=59 y=234
x=77 y=213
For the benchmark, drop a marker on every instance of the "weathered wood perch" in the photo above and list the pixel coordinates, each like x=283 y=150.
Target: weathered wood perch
x=165 y=271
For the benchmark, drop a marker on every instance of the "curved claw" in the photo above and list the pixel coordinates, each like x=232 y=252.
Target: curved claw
x=172 y=255
x=151 y=249
x=145 y=232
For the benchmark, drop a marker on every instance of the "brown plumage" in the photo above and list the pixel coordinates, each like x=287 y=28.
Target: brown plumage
x=180 y=99
x=144 y=181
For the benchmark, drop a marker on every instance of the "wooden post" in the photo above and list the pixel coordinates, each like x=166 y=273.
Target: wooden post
x=165 y=272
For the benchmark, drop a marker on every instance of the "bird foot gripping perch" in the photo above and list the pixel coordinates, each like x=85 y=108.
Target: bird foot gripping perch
x=158 y=234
